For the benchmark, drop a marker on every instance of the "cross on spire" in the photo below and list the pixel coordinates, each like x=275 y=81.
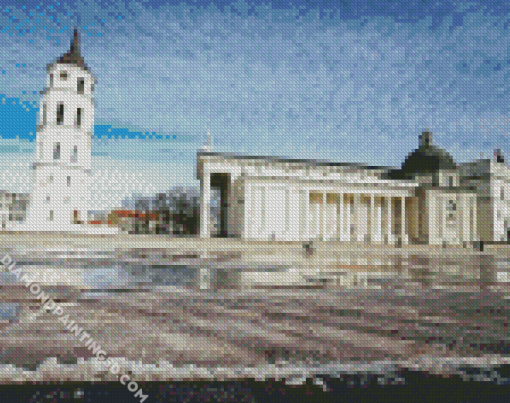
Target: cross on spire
x=208 y=145
x=75 y=44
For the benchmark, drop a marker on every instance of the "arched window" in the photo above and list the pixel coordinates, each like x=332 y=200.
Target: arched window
x=78 y=117
x=60 y=114
x=56 y=151
x=451 y=209
x=81 y=85
x=74 y=156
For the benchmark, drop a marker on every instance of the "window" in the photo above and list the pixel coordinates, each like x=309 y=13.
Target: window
x=48 y=198
x=450 y=181
x=76 y=217
x=74 y=157
x=81 y=85
x=50 y=218
x=63 y=75
x=51 y=80
x=68 y=181
x=60 y=114
x=78 y=117
x=56 y=151
x=315 y=198
x=50 y=179
x=502 y=193
x=332 y=198
x=44 y=114
x=451 y=208
x=92 y=87
x=435 y=180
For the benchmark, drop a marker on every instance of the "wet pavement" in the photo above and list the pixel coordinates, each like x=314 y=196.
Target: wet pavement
x=434 y=313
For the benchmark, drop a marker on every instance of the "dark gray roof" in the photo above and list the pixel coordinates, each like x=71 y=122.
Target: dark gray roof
x=289 y=160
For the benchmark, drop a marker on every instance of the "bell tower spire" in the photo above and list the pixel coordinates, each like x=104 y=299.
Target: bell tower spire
x=75 y=44
x=73 y=56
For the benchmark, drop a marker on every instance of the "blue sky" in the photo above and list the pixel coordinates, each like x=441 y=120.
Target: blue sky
x=352 y=81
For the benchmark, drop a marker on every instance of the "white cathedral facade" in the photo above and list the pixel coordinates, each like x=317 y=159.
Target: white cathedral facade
x=60 y=196
x=429 y=200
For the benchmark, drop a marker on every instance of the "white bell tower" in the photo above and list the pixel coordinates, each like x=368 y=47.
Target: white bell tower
x=62 y=170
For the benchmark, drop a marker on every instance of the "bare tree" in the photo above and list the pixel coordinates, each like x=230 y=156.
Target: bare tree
x=178 y=210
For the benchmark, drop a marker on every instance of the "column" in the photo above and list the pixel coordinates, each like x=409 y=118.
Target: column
x=359 y=218
x=332 y=216
x=347 y=218
x=466 y=207
x=324 y=216
x=417 y=223
x=247 y=213
x=373 y=219
x=389 y=219
x=475 y=236
x=462 y=207
x=440 y=207
x=403 y=221
x=378 y=221
x=362 y=219
x=205 y=199
x=340 y=215
x=303 y=214
x=318 y=220
x=263 y=210
x=307 y=210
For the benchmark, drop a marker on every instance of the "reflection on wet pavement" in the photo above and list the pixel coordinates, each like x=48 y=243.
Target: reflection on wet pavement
x=403 y=309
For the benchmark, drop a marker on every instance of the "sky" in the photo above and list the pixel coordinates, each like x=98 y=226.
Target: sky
x=351 y=81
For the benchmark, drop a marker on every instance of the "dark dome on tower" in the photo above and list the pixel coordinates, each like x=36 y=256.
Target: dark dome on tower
x=426 y=159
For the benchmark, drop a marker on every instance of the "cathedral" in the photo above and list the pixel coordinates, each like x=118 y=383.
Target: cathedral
x=430 y=199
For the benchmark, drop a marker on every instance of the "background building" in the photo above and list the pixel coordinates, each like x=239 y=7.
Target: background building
x=491 y=180
x=429 y=200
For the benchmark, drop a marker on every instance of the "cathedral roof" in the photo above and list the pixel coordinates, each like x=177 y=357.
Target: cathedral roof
x=426 y=159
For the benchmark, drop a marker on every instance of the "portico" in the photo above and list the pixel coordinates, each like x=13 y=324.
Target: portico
x=271 y=198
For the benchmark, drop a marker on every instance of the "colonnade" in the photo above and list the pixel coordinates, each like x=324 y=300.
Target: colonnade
x=376 y=217
x=368 y=217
